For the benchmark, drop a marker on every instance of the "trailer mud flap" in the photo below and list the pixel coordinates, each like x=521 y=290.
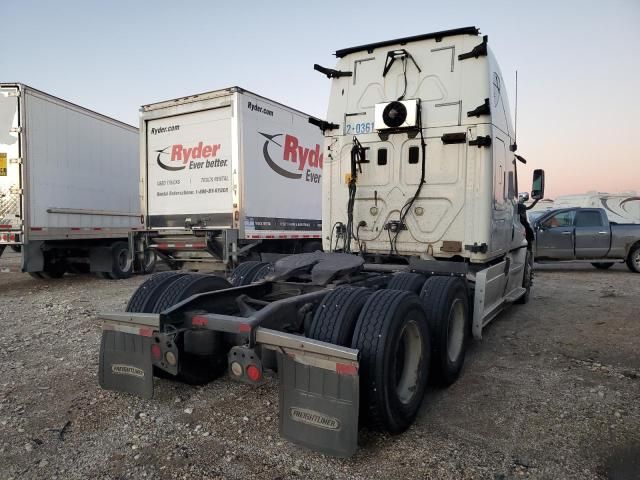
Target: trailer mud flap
x=318 y=406
x=125 y=363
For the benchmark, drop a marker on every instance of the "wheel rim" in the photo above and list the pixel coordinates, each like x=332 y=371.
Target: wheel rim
x=124 y=262
x=407 y=361
x=455 y=331
x=636 y=259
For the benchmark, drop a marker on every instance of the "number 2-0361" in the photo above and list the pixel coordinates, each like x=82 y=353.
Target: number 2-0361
x=366 y=127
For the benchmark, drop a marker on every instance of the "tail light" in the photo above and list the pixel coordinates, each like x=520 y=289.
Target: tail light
x=254 y=373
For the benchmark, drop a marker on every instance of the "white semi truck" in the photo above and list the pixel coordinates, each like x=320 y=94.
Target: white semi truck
x=68 y=185
x=228 y=176
x=424 y=243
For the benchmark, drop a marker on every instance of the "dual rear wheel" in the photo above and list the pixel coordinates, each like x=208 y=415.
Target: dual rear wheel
x=412 y=333
x=203 y=354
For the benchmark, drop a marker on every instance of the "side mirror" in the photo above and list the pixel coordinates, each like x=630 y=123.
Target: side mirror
x=523 y=197
x=537 y=188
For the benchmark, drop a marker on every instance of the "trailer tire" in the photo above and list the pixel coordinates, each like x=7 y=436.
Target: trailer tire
x=122 y=261
x=406 y=281
x=16 y=248
x=335 y=318
x=53 y=269
x=244 y=273
x=186 y=286
x=633 y=259
x=392 y=335
x=146 y=295
x=603 y=265
x=446 y=304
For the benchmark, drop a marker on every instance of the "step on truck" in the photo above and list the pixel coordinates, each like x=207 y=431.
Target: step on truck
x=228 y=176
x=424 y=244
x=68 y=186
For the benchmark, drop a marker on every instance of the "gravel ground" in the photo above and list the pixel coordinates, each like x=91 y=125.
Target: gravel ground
x=552 y=391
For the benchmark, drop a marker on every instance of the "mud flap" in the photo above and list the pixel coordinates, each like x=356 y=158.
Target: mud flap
x=125 y=363
x=319 y=407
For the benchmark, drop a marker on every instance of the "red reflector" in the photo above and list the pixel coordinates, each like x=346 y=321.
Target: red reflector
x=346 y=369
x=199 y=321
x=253 y=373
x=244 y=328
x=145 y=332
x=156 y=353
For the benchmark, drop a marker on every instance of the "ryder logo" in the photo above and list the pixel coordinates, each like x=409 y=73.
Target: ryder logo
x=292 y=160
x=178 y=157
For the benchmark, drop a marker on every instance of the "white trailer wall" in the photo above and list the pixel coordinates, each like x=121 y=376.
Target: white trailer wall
x=81 y=161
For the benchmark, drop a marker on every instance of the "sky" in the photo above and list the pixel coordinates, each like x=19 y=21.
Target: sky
x=578 y=63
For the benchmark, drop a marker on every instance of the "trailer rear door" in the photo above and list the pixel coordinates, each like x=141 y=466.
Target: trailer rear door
x=189 y=170
x=10 y=163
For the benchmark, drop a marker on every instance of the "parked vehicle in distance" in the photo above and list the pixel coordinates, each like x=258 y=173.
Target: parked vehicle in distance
x=228 y=176
x=586 y=235
x=69 y=191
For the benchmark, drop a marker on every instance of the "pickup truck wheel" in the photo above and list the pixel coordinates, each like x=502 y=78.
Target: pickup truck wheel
x=244 y=273
x=410 y=282
x=149 y=261
x=146 y=295
x=633 y=260
x=122 y=262
x=603 y=265
x=445 y=301
x=186 y=286
x=335 y=318
x=392 y=335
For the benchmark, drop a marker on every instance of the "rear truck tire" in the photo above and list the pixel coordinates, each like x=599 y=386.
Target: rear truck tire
x=406 y=281
x=603 y=265
x=144 y=298
x=312 y=246
x=445 y=301
x=335 y=318
x=392 y=335
x=527 y=279
x=122 y=261
x=186 y=286
x=244 y=273
x=633 y=259
x=262 y=272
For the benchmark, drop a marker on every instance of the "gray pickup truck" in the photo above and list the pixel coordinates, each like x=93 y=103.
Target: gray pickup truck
x=586 y=235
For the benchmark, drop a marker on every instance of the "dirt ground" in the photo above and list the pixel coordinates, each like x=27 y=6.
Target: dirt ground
x=552 y=391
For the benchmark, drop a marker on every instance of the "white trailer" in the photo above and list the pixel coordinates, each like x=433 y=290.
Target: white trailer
x=68 y=185
x=619 y=207
x=228 y=175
